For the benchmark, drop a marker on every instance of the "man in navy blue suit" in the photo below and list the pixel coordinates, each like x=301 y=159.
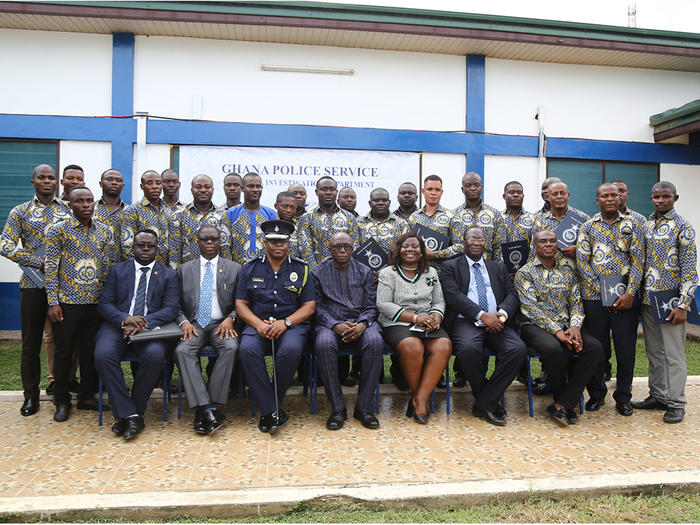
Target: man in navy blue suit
x=137 y=294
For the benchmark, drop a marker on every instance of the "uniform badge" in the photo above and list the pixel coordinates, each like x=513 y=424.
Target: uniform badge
x=293 y=277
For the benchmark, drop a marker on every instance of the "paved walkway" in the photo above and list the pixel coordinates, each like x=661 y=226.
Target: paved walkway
x=79 y=467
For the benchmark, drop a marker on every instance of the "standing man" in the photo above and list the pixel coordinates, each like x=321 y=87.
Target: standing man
x=79 y=252
x=475 y=213
x=247 y=240
x=299 y=193
x=316 y=227
x=23 y=241
x=346 y=316
x=171 y=190
x=480 y=298
x=186 y=223
x=552 y=320
x=139 y=293
x=671 y=260
x=636 y=217
x=380 y=224
x=109 y=210
x=347 y=199
x=150 y=213
x=207 y=317
x=544 y=193
x=73 y=176
x=233 y=184
x=275 y=299
x=407 y=197
x=611 y=244
x=518 y=222
x=286 y=207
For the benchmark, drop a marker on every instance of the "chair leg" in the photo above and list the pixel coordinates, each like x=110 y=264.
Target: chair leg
x=580 y=408
x=179 y=397
x=166 y=389
x=99 y=401
x=529 y=387
x=447 y=387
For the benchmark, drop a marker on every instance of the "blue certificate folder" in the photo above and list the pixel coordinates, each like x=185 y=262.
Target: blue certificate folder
x=34 y=274
x=612 y=287
x=663 y=303
x=567 y=231
x=515 y=255
x=372 y=254
x=433 y=240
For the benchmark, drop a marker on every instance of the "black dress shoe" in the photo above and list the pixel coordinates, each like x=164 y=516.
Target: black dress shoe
x=399 y=383
x=558 y=415
x=91 y=404
x=212 y=421
x=571 y=416
x=266 y=422
x=489 y=416
x=62 y=413
x=133 y=426
x=420 y=418
x=624 y=409
x=459 y=382
x=674 y=415
x=30 y=406
x=336 y=420
x=278 y=420
x=541 y=389
x=347 y=381
x=650 y=403
x=594 y=404
x=51 y=388
x=118 y=427
x=501 y=412
x=367 y=419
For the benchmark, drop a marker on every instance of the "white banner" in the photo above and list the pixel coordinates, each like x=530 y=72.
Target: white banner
x=363 y=171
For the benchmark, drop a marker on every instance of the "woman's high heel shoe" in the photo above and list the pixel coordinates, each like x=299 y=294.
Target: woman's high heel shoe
x=409 y=408
x=411 y=412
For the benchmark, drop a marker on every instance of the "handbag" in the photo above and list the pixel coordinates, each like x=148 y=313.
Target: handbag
x=167 y=331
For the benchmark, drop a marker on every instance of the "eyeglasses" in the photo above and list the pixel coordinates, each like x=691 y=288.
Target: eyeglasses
x=338 y=247
x=208 y=239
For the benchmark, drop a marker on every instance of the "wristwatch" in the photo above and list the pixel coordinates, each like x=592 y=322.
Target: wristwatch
x=287 y=323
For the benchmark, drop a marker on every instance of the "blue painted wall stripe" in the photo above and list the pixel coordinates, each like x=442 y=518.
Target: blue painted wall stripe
x=123 y=104
x=67 y=128
x=476 y=86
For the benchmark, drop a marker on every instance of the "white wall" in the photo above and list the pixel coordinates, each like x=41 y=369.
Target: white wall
x=500 y=170
x=450 y=168
x=685 y=178
x=52 y=73
x=93 y=157
x=595 y=102
x=389 y=89
x=157 y=157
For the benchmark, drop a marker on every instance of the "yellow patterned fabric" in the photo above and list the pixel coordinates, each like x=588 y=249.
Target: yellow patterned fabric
x=546 y=221
x=28 y=224
x=183 y=233
x=315 y=229
x=671 y=257
x=77 y=262
x=549 y=299
x=442 y=221
x=384 y=232
x=488 y=219
x=113 y=220
x=609 y=249
x=518 y=228
x=144 y=215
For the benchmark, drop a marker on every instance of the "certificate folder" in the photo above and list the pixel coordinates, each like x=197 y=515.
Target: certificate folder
x=612 y=287
x=372 y=254
x=515 y=255
x=433 y=240
x=567 y=231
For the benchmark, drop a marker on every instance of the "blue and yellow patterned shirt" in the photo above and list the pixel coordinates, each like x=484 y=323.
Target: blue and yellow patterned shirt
x=442 y=221
x=671 y=258
x=28 y=224
x=518 y=228
x=247 y=238
x=315 y=229
x=176 y=208
x=384 y=232
x=609 y=249
x=549 y=299
x=77 y=262
x=143 y=215
x=488 y=219
x=182 y=240
x=113 y=220
x=546 y=221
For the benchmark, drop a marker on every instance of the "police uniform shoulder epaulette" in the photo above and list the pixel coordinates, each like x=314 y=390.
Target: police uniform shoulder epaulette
x=299 y=261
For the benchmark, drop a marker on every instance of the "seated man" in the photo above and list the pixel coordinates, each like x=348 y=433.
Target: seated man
x=480 y=299
x=207 y=288
x=274 y=298
x=346 y=314
x=137 y=294
x=552 y=316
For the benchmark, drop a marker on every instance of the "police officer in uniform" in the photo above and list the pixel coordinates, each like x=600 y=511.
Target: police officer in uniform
x=275 y=298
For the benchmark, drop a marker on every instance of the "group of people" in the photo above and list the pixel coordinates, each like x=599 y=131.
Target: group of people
x=103 y=280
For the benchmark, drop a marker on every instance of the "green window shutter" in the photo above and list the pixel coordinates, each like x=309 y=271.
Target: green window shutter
x=17 y=160
x=639 y=178
x=582 y=178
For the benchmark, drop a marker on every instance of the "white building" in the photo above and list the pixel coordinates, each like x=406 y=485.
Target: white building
x=454 y=91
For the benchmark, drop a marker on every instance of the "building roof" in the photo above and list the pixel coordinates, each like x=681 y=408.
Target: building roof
x=369 y=27
x=675 y=122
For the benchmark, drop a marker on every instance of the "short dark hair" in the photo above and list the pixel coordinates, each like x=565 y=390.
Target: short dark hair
x=145 y=230
x=77 y=188
x=233 y=174
x=105 y=172
x=395 y=255
x=148 y=172
x=169 y=170
x=618 y=181
x=664 y=184
x=284 y=195
x=250 y=174
x=326 y=177
x=72 y=167
x=432 y=177
x=208 y=227
x=511 y=183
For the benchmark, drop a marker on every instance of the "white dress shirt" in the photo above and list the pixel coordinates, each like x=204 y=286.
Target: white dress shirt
x=472 y=293
x=216 y=313
x=139 y=274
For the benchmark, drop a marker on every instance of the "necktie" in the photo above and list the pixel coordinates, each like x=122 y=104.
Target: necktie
x=205 y=296
x=140 y=302
x=480 y=287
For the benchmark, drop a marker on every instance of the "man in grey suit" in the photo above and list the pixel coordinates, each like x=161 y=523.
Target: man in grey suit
x=206 y=317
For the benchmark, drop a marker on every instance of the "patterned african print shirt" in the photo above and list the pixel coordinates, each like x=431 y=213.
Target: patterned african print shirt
x=183 y=233
x=384 y=232
x=113 y=220
x=400 y=215
x=177 y=207
x=671 y=257
x=442 y=221
x=547 y=221
x=77 y=262
x=518 y=228
x=609 y=249
x=488 y=219
x=29 y=223
x=637 y=218
x=549 y=299
x=247 y=238
x=144 y=215
x=315 y=229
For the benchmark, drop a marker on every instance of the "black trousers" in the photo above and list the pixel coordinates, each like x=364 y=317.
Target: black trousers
x=599 y=322
x=32 y=311
x=78 y=328
x=567 y=377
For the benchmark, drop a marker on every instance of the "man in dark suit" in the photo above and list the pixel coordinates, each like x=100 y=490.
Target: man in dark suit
x=479 y=305
x=207 y=316
x=137 y=294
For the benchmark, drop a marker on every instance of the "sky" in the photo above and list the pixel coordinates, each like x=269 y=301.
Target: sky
x=669 y=15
